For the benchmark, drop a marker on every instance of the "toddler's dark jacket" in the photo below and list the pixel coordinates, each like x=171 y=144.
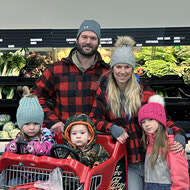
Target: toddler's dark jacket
x=92 y=154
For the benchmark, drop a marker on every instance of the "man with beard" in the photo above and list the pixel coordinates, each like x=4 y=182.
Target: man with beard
x=72 y=82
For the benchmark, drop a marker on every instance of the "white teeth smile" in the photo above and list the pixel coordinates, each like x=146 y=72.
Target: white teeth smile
x=122 y=77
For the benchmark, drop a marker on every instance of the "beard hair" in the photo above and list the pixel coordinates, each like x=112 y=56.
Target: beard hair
x=90 y=54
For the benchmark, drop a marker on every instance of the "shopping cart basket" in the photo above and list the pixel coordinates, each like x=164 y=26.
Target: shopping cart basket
x=110 y=174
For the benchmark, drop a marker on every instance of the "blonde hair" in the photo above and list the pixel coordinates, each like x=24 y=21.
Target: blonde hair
x=160 y=144
x=131 y=94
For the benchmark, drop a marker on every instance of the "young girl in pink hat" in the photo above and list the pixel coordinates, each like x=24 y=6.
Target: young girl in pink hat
x=164 y=169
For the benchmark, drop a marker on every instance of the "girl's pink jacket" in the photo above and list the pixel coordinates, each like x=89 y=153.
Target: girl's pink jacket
x=171 y=173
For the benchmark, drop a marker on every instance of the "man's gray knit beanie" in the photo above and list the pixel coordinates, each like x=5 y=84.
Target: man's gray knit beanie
x=90 y=25
x=123 y=52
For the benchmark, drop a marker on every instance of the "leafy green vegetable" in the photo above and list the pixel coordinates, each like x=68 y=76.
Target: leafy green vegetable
x=1 y=89
x=11 y=64
x=186 y=75
x=13 y=133
x=9 y=92
x=159 y=68
x=8 y=126
x=7 y=58
x=160 y=61
x=4 y=135
x=4 y=118
x=183 y=52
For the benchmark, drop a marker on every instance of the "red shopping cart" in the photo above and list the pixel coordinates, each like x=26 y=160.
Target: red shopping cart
x=110 y=174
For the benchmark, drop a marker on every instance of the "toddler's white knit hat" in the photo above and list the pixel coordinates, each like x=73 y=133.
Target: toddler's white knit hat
x=29 y=111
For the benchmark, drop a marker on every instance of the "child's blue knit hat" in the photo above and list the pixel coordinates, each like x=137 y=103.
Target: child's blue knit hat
x=29 y=111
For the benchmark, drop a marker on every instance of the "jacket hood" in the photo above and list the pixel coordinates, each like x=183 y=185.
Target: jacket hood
x=79 y=119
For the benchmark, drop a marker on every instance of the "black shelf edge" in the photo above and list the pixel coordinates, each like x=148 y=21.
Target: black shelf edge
x=5 y=103
x=177 y=101
x=16 y=81
x=184 y=124
x=165 y=80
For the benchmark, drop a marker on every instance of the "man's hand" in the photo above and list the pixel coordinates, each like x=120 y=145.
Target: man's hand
x=58 y=127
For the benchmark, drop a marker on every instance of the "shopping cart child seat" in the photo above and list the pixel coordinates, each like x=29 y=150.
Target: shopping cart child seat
x=104 y=139
x=74 y=174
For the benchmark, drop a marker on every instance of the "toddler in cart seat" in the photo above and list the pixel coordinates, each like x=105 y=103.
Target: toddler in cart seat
x=80 y=133
x=164 y=169
x=30 y=117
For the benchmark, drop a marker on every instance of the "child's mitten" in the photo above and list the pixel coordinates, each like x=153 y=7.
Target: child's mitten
x=11 y=147
x=38 y=148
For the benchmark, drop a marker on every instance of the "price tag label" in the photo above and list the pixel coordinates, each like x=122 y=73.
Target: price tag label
x=11 y=46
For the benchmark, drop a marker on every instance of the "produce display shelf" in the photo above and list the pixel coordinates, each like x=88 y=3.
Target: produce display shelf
x=164 y=80
x=177 y=101
x=185 y=125
x=16 y=81
x=4 y=103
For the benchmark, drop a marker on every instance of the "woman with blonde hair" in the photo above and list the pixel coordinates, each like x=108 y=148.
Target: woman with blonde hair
x=116 y=107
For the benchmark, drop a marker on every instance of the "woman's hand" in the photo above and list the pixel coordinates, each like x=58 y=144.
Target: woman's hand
x=122 y=138
x=177 y=147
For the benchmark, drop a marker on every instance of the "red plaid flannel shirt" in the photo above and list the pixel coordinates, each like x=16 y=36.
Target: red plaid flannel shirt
x=103 y=118
x=71 y=90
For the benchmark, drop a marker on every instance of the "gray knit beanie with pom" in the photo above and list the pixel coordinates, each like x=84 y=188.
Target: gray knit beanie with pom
x=123 y=52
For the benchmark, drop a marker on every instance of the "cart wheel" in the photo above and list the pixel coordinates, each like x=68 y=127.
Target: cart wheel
x=21 y=145
x=62 y=151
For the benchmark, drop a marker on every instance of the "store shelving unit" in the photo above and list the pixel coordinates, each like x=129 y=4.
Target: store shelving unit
x=9 y=106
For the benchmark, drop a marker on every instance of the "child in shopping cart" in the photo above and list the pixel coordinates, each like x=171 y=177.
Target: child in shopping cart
x=30 y=118
x=80 y=134
x=164 y=169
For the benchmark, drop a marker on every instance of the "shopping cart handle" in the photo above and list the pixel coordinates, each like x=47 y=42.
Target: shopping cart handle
x=20 y=145
x=62 y=151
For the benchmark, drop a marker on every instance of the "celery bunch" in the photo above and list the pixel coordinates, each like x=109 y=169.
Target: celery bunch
x=7 y=92
x=11 y=63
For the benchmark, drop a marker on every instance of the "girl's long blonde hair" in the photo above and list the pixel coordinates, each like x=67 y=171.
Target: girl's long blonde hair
x=160 y=144
x=131 y=94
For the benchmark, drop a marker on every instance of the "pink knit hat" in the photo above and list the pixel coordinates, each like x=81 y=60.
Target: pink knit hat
x=154 y=109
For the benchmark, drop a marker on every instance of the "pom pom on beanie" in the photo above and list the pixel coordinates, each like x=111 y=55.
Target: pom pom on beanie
x=123 y=52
